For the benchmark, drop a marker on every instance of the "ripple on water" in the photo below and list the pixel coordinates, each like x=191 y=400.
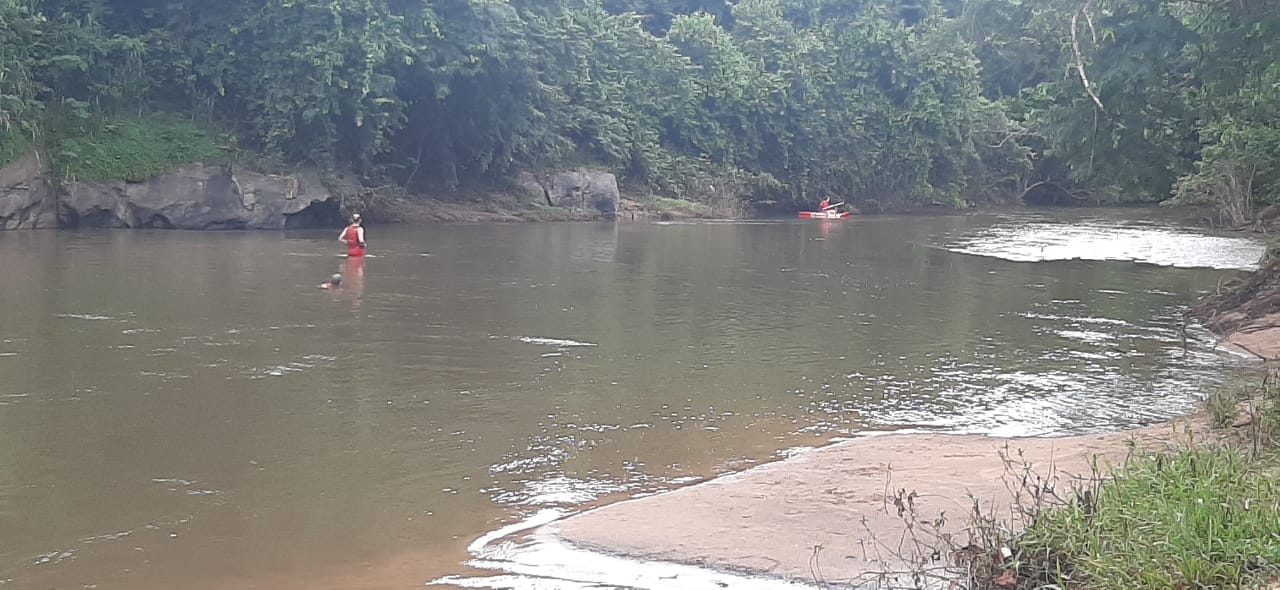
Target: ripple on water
x=106 y=537
x=54 y=557
x=558 y=490
x=305 y=363
x=1043 y=402
x=164 y=375
x=1023 y=241
x=186 y=486
x=85 y=316
x=1073 y=319
x=556 y=342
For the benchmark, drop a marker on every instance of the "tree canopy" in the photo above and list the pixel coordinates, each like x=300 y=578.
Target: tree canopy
x=777 y=102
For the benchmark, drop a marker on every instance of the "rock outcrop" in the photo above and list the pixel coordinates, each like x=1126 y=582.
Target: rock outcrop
x=198 y=197
x=27 y=196
x=201 y=197
x=579 y=188
x=190 y=197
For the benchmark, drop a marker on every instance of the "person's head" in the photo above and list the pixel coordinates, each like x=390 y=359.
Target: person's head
x=355 y=219
x=335 y=280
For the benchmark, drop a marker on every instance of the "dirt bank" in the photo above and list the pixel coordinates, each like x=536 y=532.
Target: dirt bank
x=1245 y=311
x=833 y=513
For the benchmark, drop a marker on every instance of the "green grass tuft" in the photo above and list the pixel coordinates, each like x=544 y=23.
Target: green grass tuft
x=681 y=206
x=134 y=149
x=14 y=144
x=1197 y=518
x=1223 y=405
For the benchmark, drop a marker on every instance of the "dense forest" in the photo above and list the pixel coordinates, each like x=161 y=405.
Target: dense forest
x=775 y=102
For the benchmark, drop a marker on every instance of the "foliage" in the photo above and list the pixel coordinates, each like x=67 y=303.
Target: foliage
x=1198 y=518
x=13 y=145
x=19 y=27
x=899 y=101
x=133 y=149
x=1241 y=168
x=680 y=206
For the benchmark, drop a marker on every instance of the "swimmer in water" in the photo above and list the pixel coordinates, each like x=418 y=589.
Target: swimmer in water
x=334 y=282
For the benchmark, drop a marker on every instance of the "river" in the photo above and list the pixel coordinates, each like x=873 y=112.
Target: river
x=189 y=410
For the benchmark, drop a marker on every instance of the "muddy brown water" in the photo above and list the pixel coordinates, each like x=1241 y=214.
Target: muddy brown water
x=188 y=410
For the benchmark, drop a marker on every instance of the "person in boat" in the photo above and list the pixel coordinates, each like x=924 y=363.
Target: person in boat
x=353 y=237
x=824 y=203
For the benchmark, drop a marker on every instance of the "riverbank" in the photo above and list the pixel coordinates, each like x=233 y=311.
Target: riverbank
x=873 y=510
x=1245 y=310
x=504 y=208
x=921 y=510
x=204 y=194
x=915 y=510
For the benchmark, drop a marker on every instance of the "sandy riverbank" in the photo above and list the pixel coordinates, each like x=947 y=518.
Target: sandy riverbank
x=838 y=502
x=830 y=514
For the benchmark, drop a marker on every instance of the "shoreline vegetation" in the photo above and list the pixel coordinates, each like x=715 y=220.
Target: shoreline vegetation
x=1192 y=503
x=732 y=106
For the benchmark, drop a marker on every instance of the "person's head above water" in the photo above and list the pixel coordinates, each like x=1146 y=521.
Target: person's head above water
x=333 y=283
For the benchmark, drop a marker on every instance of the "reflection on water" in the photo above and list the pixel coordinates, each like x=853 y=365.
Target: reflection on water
x=188 y=410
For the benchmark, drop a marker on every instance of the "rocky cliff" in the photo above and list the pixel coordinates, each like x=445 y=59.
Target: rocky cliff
x=27 y=196
x=201 y=197
x=190 y=197
x=217 y=197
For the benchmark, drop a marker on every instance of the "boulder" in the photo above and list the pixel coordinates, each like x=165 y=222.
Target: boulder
x=198 y=197
x=27 y=196
x=579 y=188
x=530 y=189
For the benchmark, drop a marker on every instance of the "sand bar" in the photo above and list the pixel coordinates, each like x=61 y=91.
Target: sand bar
x=768 y=520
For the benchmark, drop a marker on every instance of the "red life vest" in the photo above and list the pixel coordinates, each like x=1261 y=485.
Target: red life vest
x=352 y=237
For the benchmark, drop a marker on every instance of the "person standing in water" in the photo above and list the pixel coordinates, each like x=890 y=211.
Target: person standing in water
x=353 y=237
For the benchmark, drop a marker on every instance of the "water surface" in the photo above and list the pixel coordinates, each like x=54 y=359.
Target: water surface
x=188 y=410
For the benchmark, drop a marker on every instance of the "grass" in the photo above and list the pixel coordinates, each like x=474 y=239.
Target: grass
x=1254 y=406
x=538 y=212
x=14 y=144
x=681 y=206
x=133 y=149
x=1223 y=405
x=1202 y=516
x=1197 y=518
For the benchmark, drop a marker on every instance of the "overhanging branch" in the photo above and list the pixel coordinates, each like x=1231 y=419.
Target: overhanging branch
x=1075 y=46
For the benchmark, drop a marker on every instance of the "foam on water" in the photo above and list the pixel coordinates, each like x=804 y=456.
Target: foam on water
x=84 y=316
x=557 y=342
x=536 y=560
